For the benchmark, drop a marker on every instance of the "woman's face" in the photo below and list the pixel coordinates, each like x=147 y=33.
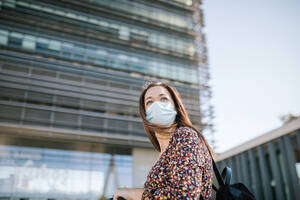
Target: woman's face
x=157 y=93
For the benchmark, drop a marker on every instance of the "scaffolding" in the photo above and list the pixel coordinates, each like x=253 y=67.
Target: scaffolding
x=206 y=109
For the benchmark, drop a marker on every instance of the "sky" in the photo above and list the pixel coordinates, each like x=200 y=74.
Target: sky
x=254 y=51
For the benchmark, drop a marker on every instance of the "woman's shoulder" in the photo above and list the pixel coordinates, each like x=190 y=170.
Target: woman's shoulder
x=186 y=132
x=187 y=142
x=185 y=135
x=188 y=136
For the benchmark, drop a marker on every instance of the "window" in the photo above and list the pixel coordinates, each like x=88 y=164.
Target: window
x=124 y=33
x=191 y=49
x=3 y=37
x=164 y=71
x=78 y=52
x=58 y=12
x=29 y=42
x=15 y=39
x=37 y=115
x=42 y=45
x=55 y=45
x=50 y=10
x=93 y=21
x=37 y=7
x=181 y=74
x=67 y=49
x=84 y=18
x=71 y=15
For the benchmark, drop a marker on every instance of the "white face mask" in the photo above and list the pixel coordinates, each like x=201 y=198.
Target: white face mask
x=161 y=113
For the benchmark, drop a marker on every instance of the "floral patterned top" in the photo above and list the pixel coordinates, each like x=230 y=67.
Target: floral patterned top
x=184 y=170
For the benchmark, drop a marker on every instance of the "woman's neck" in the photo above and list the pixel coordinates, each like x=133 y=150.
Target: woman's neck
x=164 y=138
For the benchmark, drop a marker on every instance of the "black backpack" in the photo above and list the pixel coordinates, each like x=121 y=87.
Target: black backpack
x=227 y=191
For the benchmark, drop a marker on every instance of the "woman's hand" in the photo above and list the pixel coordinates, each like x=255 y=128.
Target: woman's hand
x=129 y=193
x=122 y=192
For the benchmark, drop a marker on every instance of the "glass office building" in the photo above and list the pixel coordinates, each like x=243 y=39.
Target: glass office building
x=71 y=73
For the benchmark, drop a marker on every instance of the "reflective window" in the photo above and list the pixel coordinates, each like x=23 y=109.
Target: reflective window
x=165 y=16
x=54 y=173
x=125 y=31
x=55 y=45
x=42 y=44
x=3 y=37
x=103 y=56
x=186 y=2
x=15 y=39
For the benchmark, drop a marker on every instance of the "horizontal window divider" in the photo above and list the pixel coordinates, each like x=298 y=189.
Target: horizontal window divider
x=79 y=91
x=36 y=86
x=70 y=111
x=65 y=66
x=80 y=134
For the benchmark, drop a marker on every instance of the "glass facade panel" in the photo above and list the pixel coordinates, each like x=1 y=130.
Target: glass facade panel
x=28 y=42
x=164 y=41
x=3 y=37
x=153 y=13
x=103 y=56
x=27 y=172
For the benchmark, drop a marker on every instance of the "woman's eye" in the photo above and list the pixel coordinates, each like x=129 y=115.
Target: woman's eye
x=148 y=102
x=164 y=99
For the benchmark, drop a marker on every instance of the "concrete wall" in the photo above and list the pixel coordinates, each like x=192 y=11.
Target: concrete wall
x=143 y=160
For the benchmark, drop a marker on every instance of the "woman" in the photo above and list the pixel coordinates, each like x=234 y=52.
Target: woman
x=183 y=169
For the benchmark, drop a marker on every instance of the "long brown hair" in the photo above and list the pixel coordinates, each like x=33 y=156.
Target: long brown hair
x=182 y=118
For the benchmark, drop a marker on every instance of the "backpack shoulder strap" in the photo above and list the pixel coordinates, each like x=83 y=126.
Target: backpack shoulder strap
x=217 y=173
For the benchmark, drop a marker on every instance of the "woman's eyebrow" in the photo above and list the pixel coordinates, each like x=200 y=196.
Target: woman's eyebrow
x=158 y=95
